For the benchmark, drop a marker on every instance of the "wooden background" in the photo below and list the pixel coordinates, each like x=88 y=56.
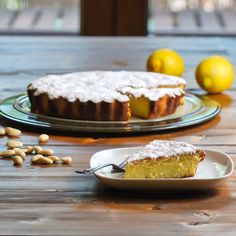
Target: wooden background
x=57 y=201
x=117 y=17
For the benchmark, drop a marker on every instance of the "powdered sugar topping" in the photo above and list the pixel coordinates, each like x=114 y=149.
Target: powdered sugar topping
x=99 y=86
x=161 y=148
x=153 y=94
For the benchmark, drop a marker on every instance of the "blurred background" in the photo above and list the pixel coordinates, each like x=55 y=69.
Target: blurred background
x=165 y=17
x=192 y=17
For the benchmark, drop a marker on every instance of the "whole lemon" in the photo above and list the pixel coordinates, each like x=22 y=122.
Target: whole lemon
x=166 y=61
x=215 y=74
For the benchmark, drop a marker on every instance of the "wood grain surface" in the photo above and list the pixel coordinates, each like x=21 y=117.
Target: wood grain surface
x=37 y=200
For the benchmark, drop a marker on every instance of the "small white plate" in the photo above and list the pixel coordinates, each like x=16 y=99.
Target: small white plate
x=216 y=167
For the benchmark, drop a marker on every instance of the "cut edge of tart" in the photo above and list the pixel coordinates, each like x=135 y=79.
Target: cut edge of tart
x=106 y=95
x=153 y=103
x=164 y=159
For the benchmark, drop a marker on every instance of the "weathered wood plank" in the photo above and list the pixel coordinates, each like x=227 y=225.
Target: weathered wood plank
x=61 y=173
x=116 y=59
x=57 y=201
x=203 y=134
x=77 y=227
x=71 y=184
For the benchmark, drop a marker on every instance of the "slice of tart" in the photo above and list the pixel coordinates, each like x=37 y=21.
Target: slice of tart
x=164 y=159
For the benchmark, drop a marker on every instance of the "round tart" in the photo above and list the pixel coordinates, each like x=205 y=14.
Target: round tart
x=106 y=95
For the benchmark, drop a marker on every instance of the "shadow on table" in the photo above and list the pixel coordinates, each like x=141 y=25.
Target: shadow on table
x=123 y=200
x=103 y=192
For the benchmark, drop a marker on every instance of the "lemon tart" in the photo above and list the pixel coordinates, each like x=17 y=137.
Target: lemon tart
x=164 y=159
x=106 y=95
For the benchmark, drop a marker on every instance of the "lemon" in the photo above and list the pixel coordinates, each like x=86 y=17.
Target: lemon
x=166 y=61
x=215 y=74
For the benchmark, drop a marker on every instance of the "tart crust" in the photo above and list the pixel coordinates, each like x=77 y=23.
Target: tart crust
x=62 y=108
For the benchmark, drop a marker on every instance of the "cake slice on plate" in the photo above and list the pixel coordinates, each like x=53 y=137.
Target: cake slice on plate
x=164 y=159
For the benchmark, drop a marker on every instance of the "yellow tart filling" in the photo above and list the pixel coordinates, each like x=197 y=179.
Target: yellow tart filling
x=139 y=106
x=173 y=167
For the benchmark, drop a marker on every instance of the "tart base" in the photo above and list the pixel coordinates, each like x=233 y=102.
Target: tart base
x=62 y=108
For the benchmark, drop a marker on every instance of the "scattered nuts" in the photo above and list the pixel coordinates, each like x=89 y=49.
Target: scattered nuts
x=44 y=161
x=37 y=149
x=12 y=132
x=8 y=153
x=35 y=158
x=54 y=158
x=29 y=149
x=20 y=153
x=2 y=132
x=14 y=144
x=17 y=160
x=43 y=138
x=22 y=149
x=66 y=160
x=46 y=152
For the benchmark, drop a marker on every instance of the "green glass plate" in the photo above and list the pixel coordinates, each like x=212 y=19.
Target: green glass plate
x=195 y=110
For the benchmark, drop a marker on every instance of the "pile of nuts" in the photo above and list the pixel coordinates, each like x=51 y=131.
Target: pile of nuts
x=17 y=151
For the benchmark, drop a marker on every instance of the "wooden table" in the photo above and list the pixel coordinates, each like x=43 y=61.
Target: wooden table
x=57 y=201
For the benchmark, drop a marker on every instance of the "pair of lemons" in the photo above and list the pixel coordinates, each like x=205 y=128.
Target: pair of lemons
x=214 y=74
